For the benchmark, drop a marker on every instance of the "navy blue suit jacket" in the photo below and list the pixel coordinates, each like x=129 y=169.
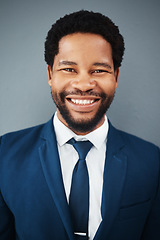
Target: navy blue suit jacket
x=33 y=204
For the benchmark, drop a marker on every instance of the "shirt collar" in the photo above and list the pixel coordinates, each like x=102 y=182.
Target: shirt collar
x=96 y=137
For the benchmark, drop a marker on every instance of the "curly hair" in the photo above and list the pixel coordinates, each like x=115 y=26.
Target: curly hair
x=84 y=22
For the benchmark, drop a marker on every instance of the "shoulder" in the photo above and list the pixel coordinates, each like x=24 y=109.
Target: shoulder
x=142 y=156
x=25 y=137
x=138 y=142
x=133 y=144
x=21 y=134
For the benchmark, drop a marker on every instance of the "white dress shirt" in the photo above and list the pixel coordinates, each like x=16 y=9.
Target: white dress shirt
x=95 y=161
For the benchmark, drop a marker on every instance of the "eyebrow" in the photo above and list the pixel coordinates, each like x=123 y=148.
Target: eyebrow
x=98 y=64
x=67 y=63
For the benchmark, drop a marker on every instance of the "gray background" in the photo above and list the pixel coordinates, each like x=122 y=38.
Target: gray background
x=25 y=98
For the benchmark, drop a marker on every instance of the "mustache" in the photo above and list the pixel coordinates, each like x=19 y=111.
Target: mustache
x=83 y=93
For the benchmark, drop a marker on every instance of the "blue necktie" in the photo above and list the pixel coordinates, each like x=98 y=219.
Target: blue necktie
x=79 y=194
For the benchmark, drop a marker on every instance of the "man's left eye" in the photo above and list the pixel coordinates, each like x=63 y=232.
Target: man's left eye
x=99 y=71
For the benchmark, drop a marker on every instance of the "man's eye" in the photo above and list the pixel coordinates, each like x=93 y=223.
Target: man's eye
x=68 y=69
x=99 y=71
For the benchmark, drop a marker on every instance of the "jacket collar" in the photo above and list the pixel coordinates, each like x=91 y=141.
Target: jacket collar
x=114 y=178
x=50 y=162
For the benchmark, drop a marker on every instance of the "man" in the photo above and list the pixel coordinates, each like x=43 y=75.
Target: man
x=38 y=166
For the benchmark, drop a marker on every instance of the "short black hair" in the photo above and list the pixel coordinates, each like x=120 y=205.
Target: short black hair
x=84 y=22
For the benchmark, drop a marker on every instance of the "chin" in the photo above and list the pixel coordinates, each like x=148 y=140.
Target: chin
x=84 y=125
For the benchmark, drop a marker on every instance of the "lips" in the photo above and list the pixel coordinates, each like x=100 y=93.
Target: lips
x=82 y=102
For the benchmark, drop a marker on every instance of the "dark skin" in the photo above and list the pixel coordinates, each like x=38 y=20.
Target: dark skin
x=84 y=70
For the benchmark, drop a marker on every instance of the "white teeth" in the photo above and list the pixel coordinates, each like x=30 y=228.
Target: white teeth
x=82 y=102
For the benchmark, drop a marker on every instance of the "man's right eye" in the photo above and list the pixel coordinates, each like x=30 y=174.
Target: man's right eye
x=68 y=69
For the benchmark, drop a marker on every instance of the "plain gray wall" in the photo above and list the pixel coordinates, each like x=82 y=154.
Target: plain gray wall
x=25 y=98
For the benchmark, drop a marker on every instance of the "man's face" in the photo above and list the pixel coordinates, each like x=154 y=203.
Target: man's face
x=83 y=81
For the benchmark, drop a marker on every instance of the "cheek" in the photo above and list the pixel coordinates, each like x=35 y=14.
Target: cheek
x=59 y=83
x=108 y=86
x=56 y=87
x=58 y=96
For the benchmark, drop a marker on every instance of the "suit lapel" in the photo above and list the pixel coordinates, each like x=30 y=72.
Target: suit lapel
x=50 y=162
x=114 y=177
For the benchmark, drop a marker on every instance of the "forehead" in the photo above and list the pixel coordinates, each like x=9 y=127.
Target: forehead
x=86 y=46
x=87 y=39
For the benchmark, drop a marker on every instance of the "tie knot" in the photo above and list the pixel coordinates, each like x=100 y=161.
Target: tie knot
x=82 y=147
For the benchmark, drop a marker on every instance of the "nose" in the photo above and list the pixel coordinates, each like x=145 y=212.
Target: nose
x=84 y=82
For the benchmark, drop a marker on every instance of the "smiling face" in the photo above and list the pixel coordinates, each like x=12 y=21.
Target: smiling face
x=83 y=81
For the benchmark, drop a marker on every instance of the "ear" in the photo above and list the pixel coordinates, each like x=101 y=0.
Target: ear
x=116 y=74
x=49 y=70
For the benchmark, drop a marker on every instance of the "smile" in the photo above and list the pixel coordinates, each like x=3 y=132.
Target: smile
x=82 y=102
